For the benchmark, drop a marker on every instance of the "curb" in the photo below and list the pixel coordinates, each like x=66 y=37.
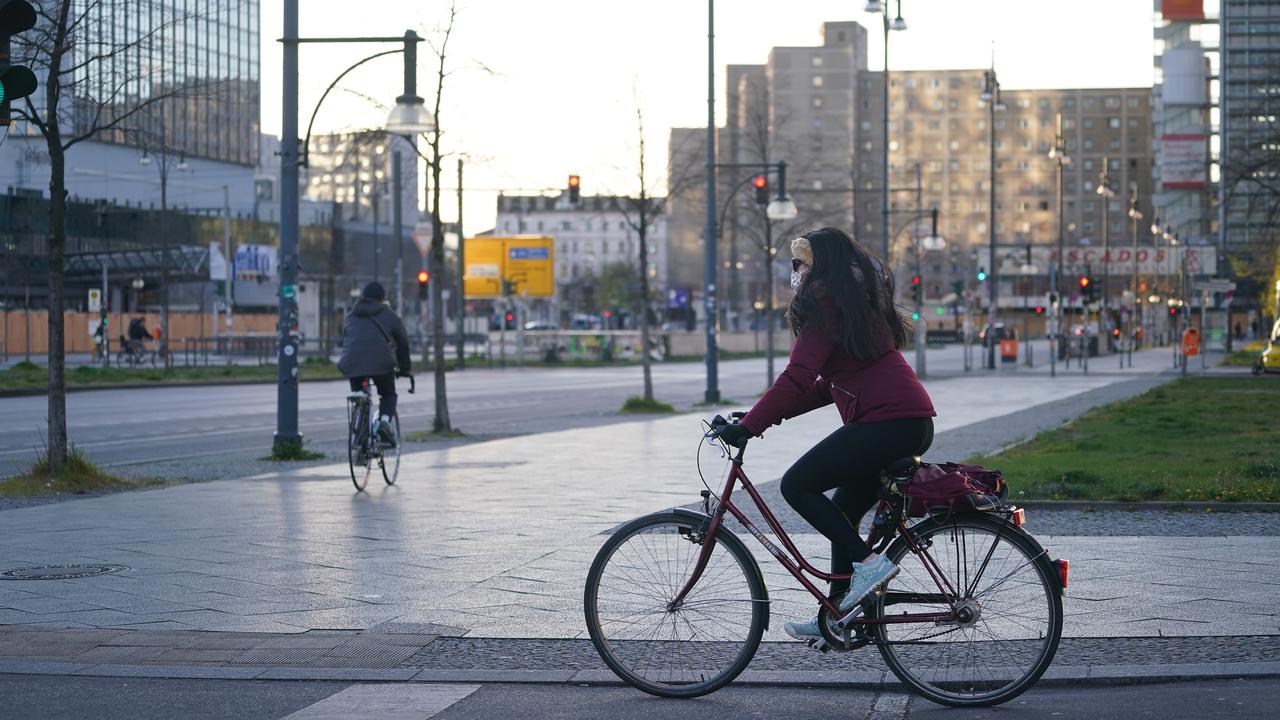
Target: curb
x=1067 y=675
x=29 y=392
x=1149 y=506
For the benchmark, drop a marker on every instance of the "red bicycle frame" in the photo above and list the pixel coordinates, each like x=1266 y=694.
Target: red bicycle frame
x=797 y=565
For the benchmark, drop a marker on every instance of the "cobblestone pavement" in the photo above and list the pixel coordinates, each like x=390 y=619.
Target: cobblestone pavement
x=427 y=647
x=494 y=540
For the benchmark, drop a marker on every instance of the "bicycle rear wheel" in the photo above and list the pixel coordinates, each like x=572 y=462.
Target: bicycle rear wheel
x=357 y=446
x=389 y=461
x=696 y=648
x=1010 y=591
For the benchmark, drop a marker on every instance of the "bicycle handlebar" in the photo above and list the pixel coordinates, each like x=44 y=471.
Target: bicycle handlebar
x=412 y=384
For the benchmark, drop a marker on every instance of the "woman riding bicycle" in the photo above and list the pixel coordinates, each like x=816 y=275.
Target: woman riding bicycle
x=846 y=352
x=375 y=347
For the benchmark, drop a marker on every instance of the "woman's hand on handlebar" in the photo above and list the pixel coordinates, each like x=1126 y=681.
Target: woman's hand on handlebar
x=733 y=434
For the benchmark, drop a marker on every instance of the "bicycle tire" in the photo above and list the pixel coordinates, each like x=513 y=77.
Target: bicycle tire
x=395 y=461
x=625 y=655
x=1036 y=582
x=361 y=465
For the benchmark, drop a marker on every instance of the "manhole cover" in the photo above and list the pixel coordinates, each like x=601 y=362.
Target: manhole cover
x=59 y=572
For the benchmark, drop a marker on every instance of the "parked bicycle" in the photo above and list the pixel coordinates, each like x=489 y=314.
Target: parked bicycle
x=676 y=605
x=365 y=447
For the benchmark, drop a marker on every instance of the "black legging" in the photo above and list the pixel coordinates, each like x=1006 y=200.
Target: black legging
x=850 y=460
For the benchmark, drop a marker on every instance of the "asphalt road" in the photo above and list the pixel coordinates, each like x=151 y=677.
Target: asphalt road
x=28 y=697
x=207 y=430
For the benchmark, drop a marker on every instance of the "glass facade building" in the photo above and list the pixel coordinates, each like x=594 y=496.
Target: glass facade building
x=1250 y=113
x=183 y=75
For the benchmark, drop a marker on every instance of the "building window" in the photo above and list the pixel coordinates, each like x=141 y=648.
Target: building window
x=1114 y=164
x=1068 y=123
x=1133 y=102
x=955 y=145
x=1088 y=164
x=910 y=83
x=1044 y=103
x=1044 y=204
x=1090 y=102
x=954 y=84
x=565 y=225
x=1133 y=123
x=1113 y=123
x=816 y=60
x=817 y=102
x=893 y=146
x=1068 y=103
x=1111 y=102
x=866 y=124
x=1088 y=123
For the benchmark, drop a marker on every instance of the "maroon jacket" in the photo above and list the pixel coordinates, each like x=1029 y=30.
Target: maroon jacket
x=821 y=372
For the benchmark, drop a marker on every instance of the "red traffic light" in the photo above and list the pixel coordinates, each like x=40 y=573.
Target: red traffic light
x=1142 y=287
x=1173 y=311
x=915 y=279
x=1115 y=331
x=1084 y=282
x=510 y=317
x=574 y=181
x=760 y=181
x=1039 y=309
x=423 y=277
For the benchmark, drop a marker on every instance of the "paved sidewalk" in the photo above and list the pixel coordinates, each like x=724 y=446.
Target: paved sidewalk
x=493 y=540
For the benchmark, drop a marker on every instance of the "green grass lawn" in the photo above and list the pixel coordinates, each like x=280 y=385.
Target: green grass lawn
x=25 y=375
x=1248 y=356
x=78 y=476
x=1194 y=439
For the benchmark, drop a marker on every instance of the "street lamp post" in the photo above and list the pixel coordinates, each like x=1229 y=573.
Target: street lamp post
x=898 y=23
x=1059 y=154
x=712 y=394
x=1135 y=317
x=991 y=96
x=1106 y=192
x=408 y=117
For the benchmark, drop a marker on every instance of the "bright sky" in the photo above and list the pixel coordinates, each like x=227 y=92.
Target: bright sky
x=559 y=95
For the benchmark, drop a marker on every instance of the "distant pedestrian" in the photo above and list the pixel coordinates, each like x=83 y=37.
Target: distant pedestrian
x=1239 y=332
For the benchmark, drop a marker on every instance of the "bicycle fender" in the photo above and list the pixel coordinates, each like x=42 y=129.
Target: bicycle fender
x=730 y=537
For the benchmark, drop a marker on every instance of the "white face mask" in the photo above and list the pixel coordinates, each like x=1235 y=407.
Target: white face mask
x=797 y=277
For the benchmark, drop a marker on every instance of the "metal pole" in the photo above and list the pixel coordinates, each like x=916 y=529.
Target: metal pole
x=1105 y=320
x=462 y=279
x=102 y=318
x=376 y=200
x=1060 y=145
x=397 y=228
x=922 y=330
x=228 y=290
x=884 y=167
x=993 y=273
x=712 y=394
x=287 y=436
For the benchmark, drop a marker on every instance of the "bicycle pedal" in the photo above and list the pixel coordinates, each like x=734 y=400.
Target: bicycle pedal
x=820 y=645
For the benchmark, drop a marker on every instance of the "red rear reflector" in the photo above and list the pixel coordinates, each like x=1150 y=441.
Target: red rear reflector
x=1064 y=568
x=1019 y=517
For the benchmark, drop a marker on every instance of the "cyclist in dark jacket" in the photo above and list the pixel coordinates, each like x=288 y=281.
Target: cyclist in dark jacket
x=375 y=347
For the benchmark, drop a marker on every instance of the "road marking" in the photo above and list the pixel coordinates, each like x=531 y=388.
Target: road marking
x=415 y=701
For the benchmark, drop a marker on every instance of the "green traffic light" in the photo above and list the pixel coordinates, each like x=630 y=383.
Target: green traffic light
x=982 y=276
x=915 y=316
x=940 y=310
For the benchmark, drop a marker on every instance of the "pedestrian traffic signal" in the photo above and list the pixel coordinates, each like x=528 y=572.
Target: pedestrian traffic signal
x=575 y=189
x=423 y=278
x=761 y=184
x=982 y=274
x=16 y=81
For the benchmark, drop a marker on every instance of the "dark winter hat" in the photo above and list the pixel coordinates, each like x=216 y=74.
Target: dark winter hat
x=375 y=291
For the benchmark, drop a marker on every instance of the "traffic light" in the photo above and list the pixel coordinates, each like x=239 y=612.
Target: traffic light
x=917 y=290
x=761 y=184
x=1039 y=309
x=423 y=279
x=575 y=189
x=1173 y=311
x=1084 y=282
x=16 y=81
x=982 y=274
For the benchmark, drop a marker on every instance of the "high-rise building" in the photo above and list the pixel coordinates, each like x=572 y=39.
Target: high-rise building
x=355 y=169
x=1250 y=78
x=820 y=109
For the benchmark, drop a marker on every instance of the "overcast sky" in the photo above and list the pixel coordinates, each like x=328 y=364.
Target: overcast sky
x=541 y=89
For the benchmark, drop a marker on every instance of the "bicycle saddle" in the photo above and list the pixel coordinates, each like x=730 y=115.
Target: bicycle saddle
x=903 y=468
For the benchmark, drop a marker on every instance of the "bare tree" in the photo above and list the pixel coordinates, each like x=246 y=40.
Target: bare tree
x=435 y=257
x=105 y=99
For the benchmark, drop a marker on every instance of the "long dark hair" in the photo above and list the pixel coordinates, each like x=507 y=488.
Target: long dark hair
x=861 y=289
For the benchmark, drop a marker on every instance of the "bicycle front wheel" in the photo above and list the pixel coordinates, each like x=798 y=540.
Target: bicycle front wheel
x=1010 y=619
x=390 y=459
x=357 y=451
x=696 y=648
